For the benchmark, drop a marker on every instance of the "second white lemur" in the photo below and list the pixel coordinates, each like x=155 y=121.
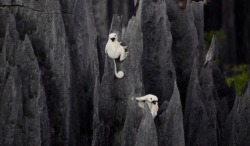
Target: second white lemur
x=152 y=102
x=114 y=49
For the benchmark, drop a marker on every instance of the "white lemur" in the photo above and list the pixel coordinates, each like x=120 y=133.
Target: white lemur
x=152 y=102
x=114 y=49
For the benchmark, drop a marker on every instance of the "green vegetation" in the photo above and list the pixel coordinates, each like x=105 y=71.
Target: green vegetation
x=239 y=75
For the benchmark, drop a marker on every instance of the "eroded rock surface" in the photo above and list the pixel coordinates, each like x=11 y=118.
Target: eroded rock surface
x=57 y=87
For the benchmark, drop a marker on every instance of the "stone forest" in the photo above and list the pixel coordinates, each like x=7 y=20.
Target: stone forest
x=58 y=88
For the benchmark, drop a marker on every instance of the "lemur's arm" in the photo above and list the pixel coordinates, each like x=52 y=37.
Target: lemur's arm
x=123 y=44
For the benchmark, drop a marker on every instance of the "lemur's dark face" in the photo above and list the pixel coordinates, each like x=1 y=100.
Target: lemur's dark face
x=112 y=37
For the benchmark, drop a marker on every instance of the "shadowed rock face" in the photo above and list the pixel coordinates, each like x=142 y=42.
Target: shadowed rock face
x=208 y=98
x=82 y=39
x=212 y=108
x=57 y=79
x=198 y=13
x=185 y=41
x=54 y=92
x=237 y=125
x=223 y=97
x=214 y=97
x=195 y=117
x=244 y=126
x=10 y=133
x=231 y=127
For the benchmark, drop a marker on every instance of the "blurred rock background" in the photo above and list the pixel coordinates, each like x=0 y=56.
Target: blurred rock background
x=57 y=87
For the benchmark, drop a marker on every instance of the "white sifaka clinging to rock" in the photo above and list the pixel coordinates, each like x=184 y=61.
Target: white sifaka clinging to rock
x=114 y=49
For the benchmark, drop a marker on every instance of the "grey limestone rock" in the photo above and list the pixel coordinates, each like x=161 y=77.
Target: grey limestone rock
x=11 y=110
x=170 y=127
x=147 y=135
x=208 y=98
x=24 y=91
x=217 y=94
x=195 y=116
x=134 y=116
x=222 y=95
x=81 y=36
x=57 y=87
x=157 y=65
x=212 y=52
x=39 y=47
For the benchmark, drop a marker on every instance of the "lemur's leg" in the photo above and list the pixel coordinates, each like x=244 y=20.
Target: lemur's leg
x=123 y=54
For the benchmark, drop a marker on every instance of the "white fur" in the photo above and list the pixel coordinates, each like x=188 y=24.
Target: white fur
x=114 y=49
x=149 y=99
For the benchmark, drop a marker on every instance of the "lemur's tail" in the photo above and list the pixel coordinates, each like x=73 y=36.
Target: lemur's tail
x=119 y=74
